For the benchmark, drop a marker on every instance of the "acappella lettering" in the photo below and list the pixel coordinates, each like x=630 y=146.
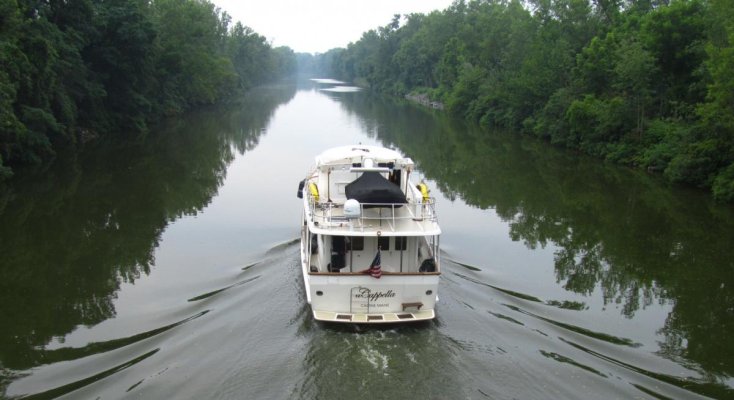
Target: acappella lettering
x=365 y=293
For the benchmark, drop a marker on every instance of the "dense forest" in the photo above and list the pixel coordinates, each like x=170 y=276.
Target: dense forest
x=77 y=69
x=648 y=83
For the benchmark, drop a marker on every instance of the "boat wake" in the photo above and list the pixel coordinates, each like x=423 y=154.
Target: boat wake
x=246 y=338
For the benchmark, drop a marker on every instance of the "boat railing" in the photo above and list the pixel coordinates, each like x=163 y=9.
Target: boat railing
x=332 y=214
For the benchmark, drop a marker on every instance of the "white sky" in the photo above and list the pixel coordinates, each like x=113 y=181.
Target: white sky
x=315 y=26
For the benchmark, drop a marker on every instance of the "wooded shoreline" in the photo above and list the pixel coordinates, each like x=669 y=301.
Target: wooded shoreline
x=646 y=83
x=78 y=69
x=641 y=82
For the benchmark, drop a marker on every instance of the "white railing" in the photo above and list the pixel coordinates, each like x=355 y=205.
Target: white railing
x=330 y=213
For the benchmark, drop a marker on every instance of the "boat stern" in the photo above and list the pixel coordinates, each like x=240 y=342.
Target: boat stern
x=364 y=299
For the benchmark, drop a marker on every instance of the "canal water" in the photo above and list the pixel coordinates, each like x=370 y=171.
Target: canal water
x=167 y=267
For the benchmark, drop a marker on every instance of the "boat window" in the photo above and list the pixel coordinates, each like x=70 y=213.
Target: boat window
x=357 y=243
x=383 y=242
x=401 y=243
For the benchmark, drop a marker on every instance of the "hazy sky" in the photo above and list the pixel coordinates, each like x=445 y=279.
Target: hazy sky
x=319 y=25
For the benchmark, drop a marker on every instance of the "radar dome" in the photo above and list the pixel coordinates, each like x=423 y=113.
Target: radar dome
x=352 y=209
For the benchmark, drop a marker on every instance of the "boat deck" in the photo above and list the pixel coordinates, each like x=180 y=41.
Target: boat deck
x=403 y=219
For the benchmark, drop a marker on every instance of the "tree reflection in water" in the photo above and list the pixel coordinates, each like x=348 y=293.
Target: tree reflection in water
x=623 y=231
x=73 y=231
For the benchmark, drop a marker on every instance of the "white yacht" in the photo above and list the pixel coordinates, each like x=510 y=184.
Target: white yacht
x=369 y=238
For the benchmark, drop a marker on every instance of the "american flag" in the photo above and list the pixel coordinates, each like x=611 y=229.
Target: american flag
x=374 y=270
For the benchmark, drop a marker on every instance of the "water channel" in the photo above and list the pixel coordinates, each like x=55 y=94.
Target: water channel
x=167 y=267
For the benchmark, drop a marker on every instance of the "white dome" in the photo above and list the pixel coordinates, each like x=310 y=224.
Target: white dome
x=352 y=209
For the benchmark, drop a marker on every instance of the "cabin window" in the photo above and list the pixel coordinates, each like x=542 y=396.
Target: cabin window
x=357 y=243
x=401 y=243
x=383 y=242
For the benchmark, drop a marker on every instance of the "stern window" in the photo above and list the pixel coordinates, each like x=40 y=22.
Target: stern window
x=383 y=242
x=357 y=243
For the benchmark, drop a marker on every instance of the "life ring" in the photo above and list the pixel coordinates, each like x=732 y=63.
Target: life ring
x=424 y=190
x=314 y=191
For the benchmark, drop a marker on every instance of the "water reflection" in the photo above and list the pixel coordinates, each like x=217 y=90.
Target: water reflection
x=72 y=233
x=618 y=232
x=610 y=241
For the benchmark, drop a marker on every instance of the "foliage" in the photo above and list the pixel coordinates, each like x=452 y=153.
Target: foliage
x=644 y=83
x=723 y=186
x=78 y=69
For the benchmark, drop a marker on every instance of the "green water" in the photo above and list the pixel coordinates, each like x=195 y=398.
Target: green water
x=167 y=267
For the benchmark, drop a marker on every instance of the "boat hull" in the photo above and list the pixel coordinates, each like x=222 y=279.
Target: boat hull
x=364 y=299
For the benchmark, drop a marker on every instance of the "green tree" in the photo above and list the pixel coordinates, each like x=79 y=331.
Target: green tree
x=76 y=69
x=717 y=113
x=633 y=72
x=121 y=56
x=191 y=68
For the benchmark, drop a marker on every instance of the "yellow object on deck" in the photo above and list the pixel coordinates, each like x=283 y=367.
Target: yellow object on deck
x=424 y=190
x=314 y=191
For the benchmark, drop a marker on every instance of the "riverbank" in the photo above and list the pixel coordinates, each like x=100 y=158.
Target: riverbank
x=603 y=81
x=74 y=72
x=425 y=100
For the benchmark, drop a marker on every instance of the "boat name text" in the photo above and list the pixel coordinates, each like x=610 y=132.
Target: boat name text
x=365 y=293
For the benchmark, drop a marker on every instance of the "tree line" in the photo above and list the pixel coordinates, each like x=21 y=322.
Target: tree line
x=77 y=69
x=648 y=83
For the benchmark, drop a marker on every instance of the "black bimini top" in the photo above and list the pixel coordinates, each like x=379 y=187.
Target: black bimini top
x=372 y=187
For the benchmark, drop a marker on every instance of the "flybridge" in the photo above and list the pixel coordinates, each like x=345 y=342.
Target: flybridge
x=348 y=193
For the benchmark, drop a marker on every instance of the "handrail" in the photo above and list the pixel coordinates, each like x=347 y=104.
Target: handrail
x=324 y=273
x=328 y=212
